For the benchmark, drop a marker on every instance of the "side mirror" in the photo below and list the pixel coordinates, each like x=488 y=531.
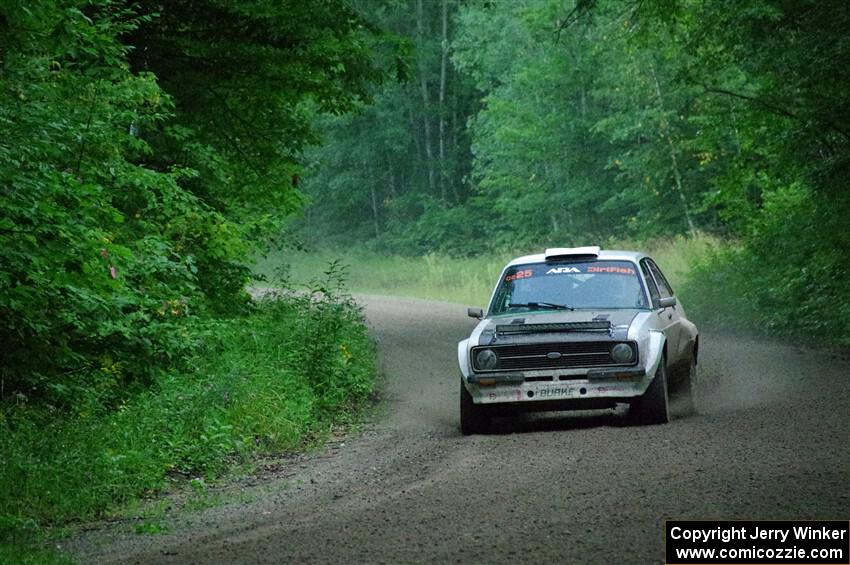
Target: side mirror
x=475 y=313
x=667 y=302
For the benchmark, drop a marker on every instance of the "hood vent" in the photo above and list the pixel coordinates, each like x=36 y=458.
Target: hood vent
x=514 y=329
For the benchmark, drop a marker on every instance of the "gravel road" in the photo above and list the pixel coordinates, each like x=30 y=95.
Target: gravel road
x=771 y=442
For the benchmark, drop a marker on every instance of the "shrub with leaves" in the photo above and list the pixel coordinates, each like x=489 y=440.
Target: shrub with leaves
x=91 y=288
x=247 y=389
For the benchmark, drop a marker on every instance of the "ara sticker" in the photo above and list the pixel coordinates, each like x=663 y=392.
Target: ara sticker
x=562 y=270
x=519 y=275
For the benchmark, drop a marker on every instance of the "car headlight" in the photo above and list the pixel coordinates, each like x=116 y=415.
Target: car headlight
x=486 y=359
x=622 y=353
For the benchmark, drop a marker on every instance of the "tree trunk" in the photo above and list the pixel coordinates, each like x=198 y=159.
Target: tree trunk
x=374 y=197
x=391 y=171
x=444 y=53
x=426 y=103
x=375 y=211
x=674 y=161
x=414 y=132
x=453 y=128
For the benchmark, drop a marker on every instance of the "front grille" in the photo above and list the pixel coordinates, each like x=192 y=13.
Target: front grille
x=531 y=356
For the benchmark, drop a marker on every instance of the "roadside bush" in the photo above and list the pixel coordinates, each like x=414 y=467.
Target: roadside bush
x=249 y=388
x=777 y=284
x=101 y=254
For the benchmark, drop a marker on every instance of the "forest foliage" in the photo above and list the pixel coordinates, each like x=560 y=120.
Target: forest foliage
x=536 y=122
x=148 y=151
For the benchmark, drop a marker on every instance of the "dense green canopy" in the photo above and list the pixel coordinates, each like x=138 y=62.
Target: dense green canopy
x=146 y=149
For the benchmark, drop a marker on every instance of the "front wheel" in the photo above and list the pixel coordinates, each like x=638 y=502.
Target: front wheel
x=473 y=419
x=654 y=406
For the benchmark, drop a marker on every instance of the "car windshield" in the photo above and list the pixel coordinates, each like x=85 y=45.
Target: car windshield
x=574 y=285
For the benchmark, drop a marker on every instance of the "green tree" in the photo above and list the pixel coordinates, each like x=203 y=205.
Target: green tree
x=405 y=156
x=145 y=151
x=771 y=74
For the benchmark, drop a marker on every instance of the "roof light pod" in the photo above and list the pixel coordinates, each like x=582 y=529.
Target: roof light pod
x=571 y=252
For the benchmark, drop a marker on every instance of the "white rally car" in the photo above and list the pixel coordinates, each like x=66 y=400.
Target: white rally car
x=578 y=328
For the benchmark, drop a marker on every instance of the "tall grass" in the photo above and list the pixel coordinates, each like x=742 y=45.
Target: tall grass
x=431 y=276
x=462 y=280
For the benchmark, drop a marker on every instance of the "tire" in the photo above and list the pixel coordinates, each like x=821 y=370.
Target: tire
x=654 y=406
x=688 y=392
x=473 y=419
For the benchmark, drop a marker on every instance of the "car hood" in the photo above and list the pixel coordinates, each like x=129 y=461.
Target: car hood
x=528 y=327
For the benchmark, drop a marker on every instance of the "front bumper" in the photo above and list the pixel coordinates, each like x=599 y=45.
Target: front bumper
x=495 y=388
x=617 y=384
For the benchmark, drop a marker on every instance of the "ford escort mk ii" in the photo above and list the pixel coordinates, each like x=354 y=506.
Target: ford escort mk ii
x=578 y=328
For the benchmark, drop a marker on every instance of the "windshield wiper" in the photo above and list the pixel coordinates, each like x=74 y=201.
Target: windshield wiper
x=542 y=306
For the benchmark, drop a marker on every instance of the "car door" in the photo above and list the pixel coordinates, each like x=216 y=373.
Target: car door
x=671 y=318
